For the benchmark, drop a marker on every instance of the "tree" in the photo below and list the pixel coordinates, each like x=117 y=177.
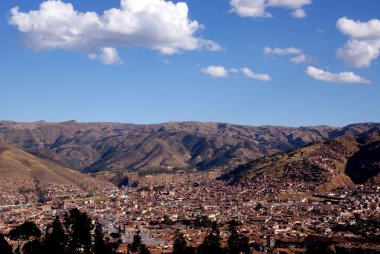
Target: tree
x=79 y=226
x=167 y=221
x=99 y=243
x=5 y=248
x=211 y=243
x=202 y=222
x=55 y=238
x=236 y=242
x=136 y=244
x=24 y=231
x=102 y=246
x=144 y=249
x=258 y=206
x=179 y=245
x=32 y=247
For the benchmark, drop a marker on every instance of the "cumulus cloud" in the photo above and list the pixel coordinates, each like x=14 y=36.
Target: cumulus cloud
x=303 y=59
x=300 y=57
x=282 y=51
x=257 y=8
x=155 y=24
x=222 y=72
x=258 y=76
x=215 y=71
x=363 y=45
x=342 y=77
x=110 y=56
x=299 y=14
x=358 y=29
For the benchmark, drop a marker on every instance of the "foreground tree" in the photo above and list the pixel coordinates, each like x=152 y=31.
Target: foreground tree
x=5 y=248
x=211 y=243
x=55 y=238
x=32 y=247
x=137 y=246
x=79 y=227
x=144 y=249
x=180 y=243
x=102 y=246
x=236 y=242
x=24 y=231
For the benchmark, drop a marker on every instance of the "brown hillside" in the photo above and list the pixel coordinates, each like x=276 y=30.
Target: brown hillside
x=27 y=179
x=322 y=166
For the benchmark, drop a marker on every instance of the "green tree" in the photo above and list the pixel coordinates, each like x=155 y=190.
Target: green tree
x=55 y=238
x=5 y=248
x=24 y=231
x=79 y=226
x=180 y=243
x=211 y=243
x=236 y=242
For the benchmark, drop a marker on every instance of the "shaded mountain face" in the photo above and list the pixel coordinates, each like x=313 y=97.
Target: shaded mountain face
x=364 y=166
x=323 y=166
x=25 y=178
x=115 y=147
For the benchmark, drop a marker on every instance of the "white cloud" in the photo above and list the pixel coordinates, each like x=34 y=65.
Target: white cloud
x=250 y=8
x=107 y=56
x=222 y=72
x=257 y=8
x=298 y=59
x=155 y=24
x=290 y=4
x=233 y=70
x=215 y=71
x=258 y=76
x=364 y=44
x=358 y=29
x=359 y=53
x=282 y=51
x=303 y=59
x=110 y=56
x=299 y=14
x=342 y=77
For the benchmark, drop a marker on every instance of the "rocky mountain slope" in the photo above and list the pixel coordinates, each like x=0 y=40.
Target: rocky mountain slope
x=116 y=147
x=323 y=165
x=25 y=178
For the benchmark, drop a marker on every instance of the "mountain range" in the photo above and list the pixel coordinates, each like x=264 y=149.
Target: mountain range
x=117 y=148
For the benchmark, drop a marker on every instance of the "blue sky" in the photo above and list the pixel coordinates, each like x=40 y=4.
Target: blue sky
x=234 y=65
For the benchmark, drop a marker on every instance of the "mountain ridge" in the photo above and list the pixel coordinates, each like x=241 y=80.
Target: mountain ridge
x=119 y=147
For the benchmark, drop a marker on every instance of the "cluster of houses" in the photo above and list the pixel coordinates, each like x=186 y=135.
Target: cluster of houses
x=274 y=215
